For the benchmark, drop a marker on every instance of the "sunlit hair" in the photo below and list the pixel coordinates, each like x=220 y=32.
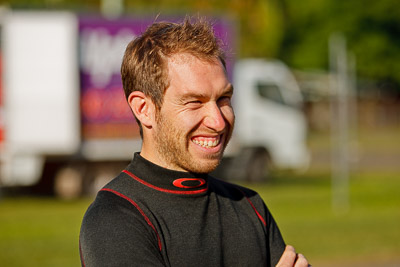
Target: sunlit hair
x=144 y=66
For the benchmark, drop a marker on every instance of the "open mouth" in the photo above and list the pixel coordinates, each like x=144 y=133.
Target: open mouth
x=207 y=142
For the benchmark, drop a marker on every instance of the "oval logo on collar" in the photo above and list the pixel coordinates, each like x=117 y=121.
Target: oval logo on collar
x=188 y=182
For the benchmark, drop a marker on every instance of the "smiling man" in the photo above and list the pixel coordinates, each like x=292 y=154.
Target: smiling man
x=164 y=209
x=196 y=119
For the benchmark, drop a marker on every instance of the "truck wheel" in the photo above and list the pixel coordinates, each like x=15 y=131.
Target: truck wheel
x=258 y=166
x=99 y=181
x=68 y=183
x=99 y=174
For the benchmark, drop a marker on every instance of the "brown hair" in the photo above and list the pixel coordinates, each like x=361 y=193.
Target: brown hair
x=144 y=65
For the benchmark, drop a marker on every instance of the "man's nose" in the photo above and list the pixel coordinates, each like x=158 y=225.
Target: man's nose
x=214 y=118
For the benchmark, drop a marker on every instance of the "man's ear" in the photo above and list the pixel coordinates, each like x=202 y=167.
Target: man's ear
x=142 y=107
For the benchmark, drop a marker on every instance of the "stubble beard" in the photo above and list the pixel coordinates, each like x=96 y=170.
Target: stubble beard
x=173 y=146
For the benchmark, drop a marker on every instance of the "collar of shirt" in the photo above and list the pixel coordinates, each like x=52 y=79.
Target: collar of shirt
x=166 y=180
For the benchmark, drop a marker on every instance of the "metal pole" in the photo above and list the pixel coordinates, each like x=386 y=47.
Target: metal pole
x=339 y=124
x=353 y=111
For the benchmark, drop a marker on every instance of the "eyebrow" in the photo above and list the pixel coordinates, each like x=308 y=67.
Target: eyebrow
x=228 y=90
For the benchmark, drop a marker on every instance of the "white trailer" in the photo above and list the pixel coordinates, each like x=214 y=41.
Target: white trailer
x=40 y=93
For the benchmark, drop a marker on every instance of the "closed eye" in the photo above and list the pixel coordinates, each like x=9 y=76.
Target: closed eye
x=224 y=100
x=193 y=104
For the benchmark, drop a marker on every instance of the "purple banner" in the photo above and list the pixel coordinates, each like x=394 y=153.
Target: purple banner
x=105 y=113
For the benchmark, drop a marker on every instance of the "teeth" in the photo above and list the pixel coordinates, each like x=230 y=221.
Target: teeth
x=207 y=143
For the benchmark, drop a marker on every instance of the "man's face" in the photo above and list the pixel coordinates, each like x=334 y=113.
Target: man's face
x=196 y=119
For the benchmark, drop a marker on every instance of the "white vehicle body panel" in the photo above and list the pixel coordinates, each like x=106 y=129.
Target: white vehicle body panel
x=41 y=90
x=278 y=125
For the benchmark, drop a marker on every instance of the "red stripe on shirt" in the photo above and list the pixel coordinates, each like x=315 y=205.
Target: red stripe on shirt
x=139 y=209
x=81 y=254
x=165 y=190
x=254 y=208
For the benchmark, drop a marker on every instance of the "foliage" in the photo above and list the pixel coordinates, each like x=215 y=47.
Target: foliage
x=259 y=22
x=372 y=29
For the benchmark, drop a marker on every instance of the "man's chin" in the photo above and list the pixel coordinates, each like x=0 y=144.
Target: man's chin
x=205 y=166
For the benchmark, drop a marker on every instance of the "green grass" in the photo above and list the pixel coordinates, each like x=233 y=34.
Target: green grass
x=368 y=232
x=44 y=231
x=40 y=232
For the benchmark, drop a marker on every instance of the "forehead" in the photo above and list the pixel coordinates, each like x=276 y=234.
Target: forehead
x=188 y=73
x=184 y=60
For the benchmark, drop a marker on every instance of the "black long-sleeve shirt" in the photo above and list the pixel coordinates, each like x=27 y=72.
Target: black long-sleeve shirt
x=152 y=216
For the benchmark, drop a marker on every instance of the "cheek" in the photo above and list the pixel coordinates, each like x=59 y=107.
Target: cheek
x=188 y=121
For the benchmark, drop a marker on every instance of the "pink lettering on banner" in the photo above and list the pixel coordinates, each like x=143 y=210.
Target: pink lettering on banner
x=1 y=104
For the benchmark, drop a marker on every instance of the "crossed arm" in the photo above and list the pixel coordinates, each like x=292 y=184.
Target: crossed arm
x=291 y=259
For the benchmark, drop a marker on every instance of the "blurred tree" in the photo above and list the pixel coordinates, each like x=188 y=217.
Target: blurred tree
x=261 y=25
x=259 y=22
x=372 y=29
x=88 y=5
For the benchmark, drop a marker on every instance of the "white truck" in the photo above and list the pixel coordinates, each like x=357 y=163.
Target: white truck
x=65 y=127
x=270 y=128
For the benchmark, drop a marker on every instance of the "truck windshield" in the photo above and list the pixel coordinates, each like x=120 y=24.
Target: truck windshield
x=271 y=92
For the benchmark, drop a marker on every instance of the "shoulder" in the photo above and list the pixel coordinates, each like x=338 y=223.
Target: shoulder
x=110 y=208
x=114 y=217
x=115 y=204
x=115 y=230
x=232 y=190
